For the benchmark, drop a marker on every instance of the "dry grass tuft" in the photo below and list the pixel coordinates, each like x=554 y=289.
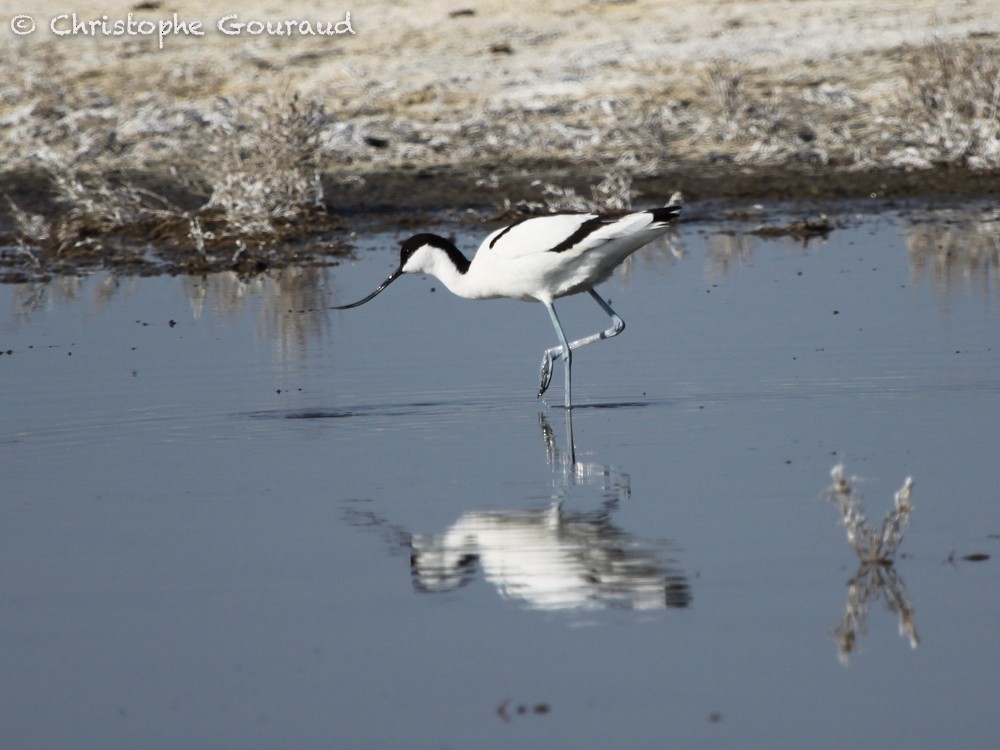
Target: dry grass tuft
x=259 y=167
x=95 y=207
x=30 y=229
x=873 y=544
x=268 y=170
x=725 y=81
x=613 y=193
x=949 y=108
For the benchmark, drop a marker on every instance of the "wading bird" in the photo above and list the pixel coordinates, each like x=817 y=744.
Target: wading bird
x=539 y=259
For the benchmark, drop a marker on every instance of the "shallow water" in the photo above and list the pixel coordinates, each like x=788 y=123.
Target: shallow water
x=225 y=524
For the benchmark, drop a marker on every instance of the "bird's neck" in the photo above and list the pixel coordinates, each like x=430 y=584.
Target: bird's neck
x=451 y=268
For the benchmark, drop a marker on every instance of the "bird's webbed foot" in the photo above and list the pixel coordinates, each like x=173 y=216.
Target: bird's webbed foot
x=550 y=357
x=547 y=360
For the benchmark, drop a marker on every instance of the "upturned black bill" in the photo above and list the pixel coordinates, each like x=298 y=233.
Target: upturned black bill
x=395 y=275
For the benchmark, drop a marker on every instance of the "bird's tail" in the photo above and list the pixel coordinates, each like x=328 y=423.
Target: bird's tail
x=669 y=212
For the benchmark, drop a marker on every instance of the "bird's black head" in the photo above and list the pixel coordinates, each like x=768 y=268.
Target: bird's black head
x=411 y=246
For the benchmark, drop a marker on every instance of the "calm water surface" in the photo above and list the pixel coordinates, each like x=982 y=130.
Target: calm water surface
x=225 y=525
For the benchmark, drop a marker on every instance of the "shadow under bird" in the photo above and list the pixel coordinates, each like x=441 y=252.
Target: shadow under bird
x=539 y=259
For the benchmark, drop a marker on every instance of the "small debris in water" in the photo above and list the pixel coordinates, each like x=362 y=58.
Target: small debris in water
x=539 y=709
x=803 y=230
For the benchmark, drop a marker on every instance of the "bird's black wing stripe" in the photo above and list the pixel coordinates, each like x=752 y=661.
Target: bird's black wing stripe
x=583 y=231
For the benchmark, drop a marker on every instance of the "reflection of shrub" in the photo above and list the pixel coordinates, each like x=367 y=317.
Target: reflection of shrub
x=955 y=246
x=871 y=583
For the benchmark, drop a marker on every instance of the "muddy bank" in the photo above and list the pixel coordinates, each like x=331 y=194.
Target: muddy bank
x=407 y=201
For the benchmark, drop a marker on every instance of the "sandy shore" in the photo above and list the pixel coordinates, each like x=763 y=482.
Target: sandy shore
x=489 y=104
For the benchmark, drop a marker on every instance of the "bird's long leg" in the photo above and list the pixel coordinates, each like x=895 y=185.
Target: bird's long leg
x=551 y=355
x=565 y=351
x=617 y=324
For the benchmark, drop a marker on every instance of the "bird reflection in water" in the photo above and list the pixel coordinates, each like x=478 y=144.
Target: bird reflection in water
x=554 y=558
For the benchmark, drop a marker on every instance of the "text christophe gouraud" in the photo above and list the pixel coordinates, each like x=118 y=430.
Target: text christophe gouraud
x=231 y=24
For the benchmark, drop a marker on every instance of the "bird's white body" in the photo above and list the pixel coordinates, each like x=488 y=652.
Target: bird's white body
x=517 y=262
x=539 y=260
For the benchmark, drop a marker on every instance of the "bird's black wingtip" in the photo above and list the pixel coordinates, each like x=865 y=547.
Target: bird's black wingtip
x=669 y=212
